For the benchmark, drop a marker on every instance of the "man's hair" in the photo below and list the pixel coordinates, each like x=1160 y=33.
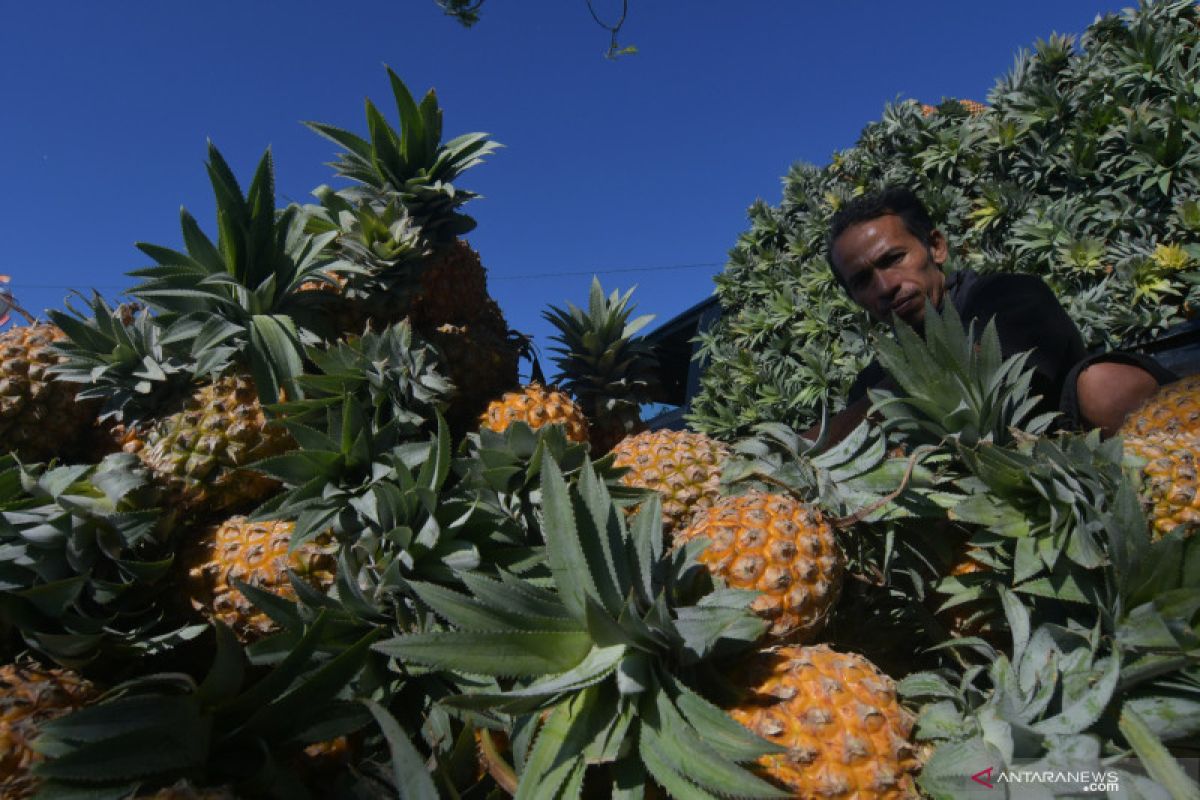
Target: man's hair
x=898 y=200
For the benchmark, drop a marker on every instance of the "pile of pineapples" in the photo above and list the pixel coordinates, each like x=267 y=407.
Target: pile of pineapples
x=285 y=525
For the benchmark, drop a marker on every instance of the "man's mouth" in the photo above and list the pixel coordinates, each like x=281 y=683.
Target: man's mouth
x=908 y=306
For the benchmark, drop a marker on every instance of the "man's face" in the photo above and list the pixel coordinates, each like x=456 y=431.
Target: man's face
x=889 y=271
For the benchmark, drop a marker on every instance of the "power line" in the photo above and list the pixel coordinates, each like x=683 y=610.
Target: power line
x=609 y=271
x=491 y=275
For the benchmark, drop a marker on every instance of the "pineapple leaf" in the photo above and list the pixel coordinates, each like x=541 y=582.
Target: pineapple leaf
x=691 y=755
x=228 y=672
x=412 y=122
x=171 y=749
x=597 y=665
x=411 y=778
x=306 y=701
x=565 y=545
x=519 y=597
x=549 y=764
x=651 y=747
x=470 y=614
x=721 y=732
x=489 y=653
x=1164 y=769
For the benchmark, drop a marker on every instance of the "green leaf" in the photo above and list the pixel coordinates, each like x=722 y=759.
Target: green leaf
x=688 y=753
x=677 y=786
x=1164 y=769
x=493 y=653
x=412 y=779
x=225 y=677
x=564 y=548
x=468 y=614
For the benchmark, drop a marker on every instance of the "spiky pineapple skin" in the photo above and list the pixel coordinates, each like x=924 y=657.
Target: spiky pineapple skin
x=1171 y=481
x=780 y=547
x=683 y=467
x=479 y=359
x=536 y=406
x=1173 y=409
x=255 y=553
x=200 y=453
x=39 y=416
x=453 y=288
x=845 y=733
x=31 y=696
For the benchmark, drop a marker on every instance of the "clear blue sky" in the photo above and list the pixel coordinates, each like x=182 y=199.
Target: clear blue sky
x=639 y=169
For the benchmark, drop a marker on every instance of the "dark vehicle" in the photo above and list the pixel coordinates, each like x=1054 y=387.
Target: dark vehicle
x=675 y=345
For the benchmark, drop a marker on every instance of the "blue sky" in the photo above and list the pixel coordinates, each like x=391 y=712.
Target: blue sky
x=639 y=169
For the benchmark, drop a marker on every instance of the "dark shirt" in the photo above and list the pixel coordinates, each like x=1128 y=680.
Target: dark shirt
x=1028 y=317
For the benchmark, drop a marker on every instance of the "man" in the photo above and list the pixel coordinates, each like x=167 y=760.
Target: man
x=886 y=253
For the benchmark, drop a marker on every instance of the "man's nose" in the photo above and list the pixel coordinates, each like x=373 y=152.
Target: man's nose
x=887 y=283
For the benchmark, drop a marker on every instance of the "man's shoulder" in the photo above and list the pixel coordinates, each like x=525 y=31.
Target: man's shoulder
x=996 y=289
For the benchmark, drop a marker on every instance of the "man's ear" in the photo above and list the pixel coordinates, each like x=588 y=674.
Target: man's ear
x=938 y=247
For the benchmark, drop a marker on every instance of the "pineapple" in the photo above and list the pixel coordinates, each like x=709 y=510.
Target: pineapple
x=29 y=697
x=836 y=715
x=1173 y=409
x=683 y=467
x=1164 y=433
x=200 y=453
x=609 y=370
x=397 y=232
x=480 y=359
x=255 y=553
x=536 y=405
x=120 y=360
x=40 y=417
x=237 y=303
x=780 y=547
x=1170 y=482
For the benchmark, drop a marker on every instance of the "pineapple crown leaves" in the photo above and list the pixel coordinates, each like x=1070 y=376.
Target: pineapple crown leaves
x=120 y=357
x=953 y=388
x=1050 y=507
x=377 y=488
x=157 y=729
x=1065 y=698
x=83 y=562
x=602 y=361
x=237 y=300
x=373 y=240
x=392 y=373
x=412 y=164
x=503 y=472
x=855 y=478
x=602 y=648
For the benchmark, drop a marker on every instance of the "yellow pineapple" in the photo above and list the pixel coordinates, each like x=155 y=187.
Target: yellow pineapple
x=39 y=416
x=1171 y=484
x=536 y=405
x=31 y=696
x=200 y=453
x=683 y=467
x=779 y=546
x=845 y=734
x=1173 y=409
x=255 y=553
